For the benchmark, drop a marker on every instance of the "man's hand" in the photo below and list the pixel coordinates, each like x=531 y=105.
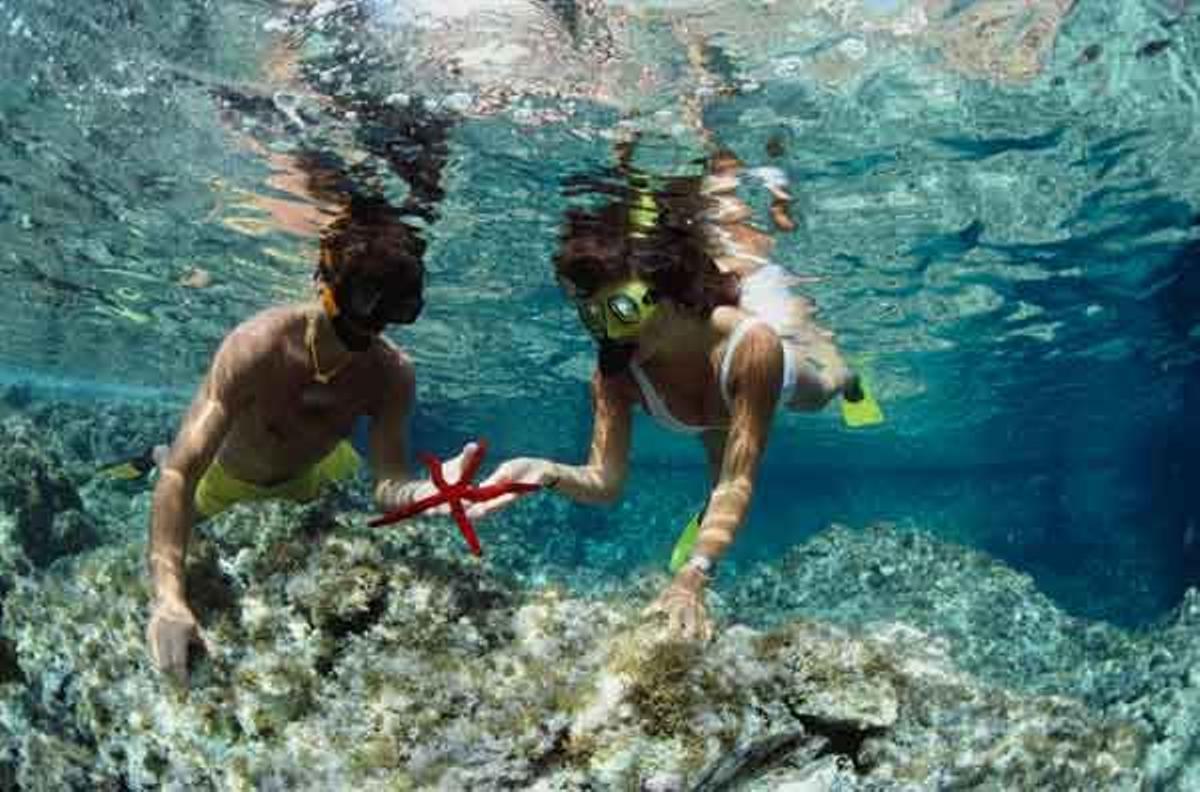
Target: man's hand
x=171 y=632
x=683 y=605
x=521 y=470
x=423 y=488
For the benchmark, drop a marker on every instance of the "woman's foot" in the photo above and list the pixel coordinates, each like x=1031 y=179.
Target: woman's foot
x=852 y=391
x=781 y=215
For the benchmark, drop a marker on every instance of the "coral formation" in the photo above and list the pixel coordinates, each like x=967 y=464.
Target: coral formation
x=394 y=658
x=340 y=655
x=44 y=507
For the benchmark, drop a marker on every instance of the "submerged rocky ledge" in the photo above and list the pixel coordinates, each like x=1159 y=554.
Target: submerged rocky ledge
x=348 y=657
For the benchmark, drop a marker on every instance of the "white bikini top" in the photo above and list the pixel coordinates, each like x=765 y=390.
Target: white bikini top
x=658 y=408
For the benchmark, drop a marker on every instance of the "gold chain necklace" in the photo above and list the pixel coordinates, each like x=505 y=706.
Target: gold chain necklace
x=310 y=338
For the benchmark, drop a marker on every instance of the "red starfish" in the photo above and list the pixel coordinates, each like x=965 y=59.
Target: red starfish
x=455 y=494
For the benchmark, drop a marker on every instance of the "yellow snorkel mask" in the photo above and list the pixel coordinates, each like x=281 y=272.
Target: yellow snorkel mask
x=618 y=312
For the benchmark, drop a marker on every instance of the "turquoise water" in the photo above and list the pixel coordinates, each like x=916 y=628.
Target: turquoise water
x=996 y=208
x=1002 y=236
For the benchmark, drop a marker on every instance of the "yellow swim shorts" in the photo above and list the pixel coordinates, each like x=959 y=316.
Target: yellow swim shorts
x=218 y=490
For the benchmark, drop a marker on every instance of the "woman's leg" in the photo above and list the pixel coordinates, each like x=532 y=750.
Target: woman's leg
x=820 y=373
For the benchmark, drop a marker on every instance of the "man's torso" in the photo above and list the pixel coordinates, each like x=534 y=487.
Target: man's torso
x=294 y=421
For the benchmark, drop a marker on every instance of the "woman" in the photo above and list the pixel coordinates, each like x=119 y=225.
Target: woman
x=695 y=326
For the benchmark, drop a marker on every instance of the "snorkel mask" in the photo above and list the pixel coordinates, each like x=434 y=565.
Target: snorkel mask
x=360 y=308
x=618 y=312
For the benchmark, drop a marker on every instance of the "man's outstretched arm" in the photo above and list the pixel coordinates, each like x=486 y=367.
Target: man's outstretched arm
x=172 y=514
x=395 y=485
x=172 y=625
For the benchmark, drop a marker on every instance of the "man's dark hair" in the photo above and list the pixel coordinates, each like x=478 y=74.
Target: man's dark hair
x=369 y=243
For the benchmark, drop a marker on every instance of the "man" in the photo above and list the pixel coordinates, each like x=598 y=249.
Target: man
x=272 y=416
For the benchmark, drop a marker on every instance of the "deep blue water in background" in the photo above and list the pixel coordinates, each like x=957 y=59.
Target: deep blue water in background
x=1015 y=262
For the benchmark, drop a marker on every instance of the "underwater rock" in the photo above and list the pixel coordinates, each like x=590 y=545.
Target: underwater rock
x=46 y=509
x=69 y=533
x=88 y=435
x=16 y=396
x=349 y=657
x=749 y=760
x=992 y=619
x=82 y=440
x=1158 y=688
x=10 y=671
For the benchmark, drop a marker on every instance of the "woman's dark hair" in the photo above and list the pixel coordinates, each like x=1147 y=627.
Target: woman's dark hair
x=615 y=242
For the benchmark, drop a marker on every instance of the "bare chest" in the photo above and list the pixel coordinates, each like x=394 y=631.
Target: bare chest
x=297 y=413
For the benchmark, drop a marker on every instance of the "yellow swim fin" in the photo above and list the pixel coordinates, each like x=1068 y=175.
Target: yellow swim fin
x=130 y=469
x=863 y=411
x=685 y=542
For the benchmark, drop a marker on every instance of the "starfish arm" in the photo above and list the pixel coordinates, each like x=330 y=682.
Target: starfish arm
x=471 y=466
x=464 y=525
x=435 y=470
x=476 y=494
x=414 y=508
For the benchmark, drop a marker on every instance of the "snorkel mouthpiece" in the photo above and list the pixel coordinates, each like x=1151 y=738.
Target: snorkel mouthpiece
x=615 y=356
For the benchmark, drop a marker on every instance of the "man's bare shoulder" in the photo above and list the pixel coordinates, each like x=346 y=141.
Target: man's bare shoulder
x=393 y=362
x=269 y=325
x=254 y=345
x=393 y=381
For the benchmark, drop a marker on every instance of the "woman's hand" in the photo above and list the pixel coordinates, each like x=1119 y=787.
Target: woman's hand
x=683 y=605
x=521 y=470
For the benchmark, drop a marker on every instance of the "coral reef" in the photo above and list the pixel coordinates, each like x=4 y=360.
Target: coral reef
x=339 y=655
x=392 y=659
x=995 y=622
x=45 y=520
